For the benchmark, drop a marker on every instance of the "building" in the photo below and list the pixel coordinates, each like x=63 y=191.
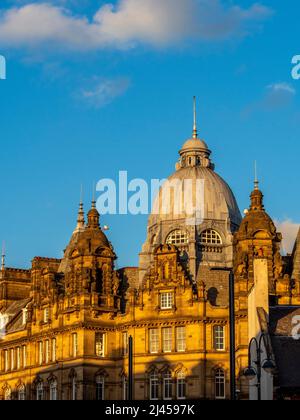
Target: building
x=65 y=323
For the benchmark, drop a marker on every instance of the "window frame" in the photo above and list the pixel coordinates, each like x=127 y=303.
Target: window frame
x=154 y=385
x=100 y=353
x=154 y=346
x=167 y=341
x=168 y=384
x=220 y=374
x=219 y=338
x=211 y=237
x=180 y=386
x=178 y=237
x=167 y=300
x=181 y=340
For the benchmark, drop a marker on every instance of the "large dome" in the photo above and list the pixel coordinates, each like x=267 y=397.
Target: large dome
x=195 y=210
x=205 y=188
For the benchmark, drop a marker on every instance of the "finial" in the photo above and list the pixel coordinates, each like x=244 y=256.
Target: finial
x=3 y=257
x=94 y=199
x=80 y=218
x=195 y=131
x=256 y=182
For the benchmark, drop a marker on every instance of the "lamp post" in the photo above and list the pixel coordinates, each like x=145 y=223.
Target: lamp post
x=233 y=392
x=268 y=366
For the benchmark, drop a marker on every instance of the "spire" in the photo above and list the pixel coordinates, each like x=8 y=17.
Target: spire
x=3 y=257
x=256 y=182
x=195 y=130
x=80 y=219
x=93 y=214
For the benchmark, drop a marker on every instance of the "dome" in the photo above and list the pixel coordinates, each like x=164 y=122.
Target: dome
x=209 y=193
x=193 y=144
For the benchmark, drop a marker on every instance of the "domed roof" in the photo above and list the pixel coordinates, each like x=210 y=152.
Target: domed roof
x=194 y=143
x=208 y=193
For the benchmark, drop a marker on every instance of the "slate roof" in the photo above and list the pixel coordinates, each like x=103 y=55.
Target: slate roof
x=285 y=347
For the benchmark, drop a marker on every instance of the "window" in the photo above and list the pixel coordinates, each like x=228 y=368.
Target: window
x=125 y=388
x=53 y=350
x=220 y=384
x=181 y=386
x=73 y=388
x=53 y=390
x=12 y=359
x=47 y=351
x=167 y=340
x=100 y=381
x=210 y=237
x=100 y=344
x=41 y=351
x=154 y=341
x=177 y=237
x=6 y=361
x=22 y=393
x=74 y=344
x=24 y=316
x=24 y=356
x=166 y=300
x=46 y=315
x=18 y=358
x=154 y=387
x=219 y=338
x=168 y=386
x=125 y=343
x=40 y=391
x=180 y=339
x=7 y=394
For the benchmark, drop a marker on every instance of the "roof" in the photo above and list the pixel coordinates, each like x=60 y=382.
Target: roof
x=286 y=347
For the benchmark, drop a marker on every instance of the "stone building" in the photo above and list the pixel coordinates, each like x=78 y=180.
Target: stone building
x=65 y=323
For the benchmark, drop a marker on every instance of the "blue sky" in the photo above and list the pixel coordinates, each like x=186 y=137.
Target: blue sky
x=92 y=89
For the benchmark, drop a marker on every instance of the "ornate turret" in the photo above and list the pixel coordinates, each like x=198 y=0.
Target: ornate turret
x=257 y=237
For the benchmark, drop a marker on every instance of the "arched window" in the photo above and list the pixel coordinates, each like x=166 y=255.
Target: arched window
x=22 y=393
x=210 y=237
x=53 y=390
x=178 y=237
x=181 y=386
x=100 y=382
x=220 y=384
x=40 y=391
x=7 y=394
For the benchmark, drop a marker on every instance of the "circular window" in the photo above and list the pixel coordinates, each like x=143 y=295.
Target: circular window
x=177 y=237
x=210 y=237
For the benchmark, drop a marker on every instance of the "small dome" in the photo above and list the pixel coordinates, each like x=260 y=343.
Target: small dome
x=194 y=144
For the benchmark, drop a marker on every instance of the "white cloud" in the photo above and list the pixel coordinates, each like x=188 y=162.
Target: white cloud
x=103 y=91
x=289 y=230
x=126 y=24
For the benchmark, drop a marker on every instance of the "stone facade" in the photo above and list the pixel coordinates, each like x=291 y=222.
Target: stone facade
x=65 y=323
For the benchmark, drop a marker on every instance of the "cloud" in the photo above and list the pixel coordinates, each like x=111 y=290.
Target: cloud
x=275 y=96
x=127 y=24
x=278 y=95
x=103 y=91
x=289 y=230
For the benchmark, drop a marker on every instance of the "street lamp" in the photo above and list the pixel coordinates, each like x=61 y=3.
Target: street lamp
x=268 y=365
